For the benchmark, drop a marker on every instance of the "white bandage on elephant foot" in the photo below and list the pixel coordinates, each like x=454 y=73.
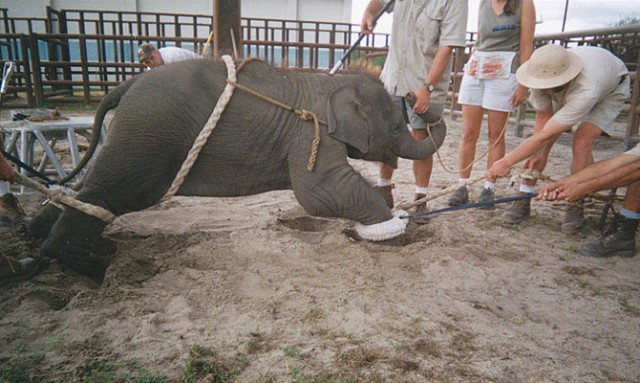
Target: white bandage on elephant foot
x=384 y=230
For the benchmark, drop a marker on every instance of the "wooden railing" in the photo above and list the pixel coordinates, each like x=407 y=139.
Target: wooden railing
x=79 y=55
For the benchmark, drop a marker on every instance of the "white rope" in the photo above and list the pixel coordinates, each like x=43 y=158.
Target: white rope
x=58 y=196
x=202 y=138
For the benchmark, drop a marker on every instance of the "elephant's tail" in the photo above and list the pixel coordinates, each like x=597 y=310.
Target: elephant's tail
x=110 y=101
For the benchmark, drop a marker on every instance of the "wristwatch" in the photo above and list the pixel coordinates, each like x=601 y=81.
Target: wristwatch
x=429 y=87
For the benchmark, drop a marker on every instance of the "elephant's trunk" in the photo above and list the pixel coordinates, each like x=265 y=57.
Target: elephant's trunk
x=417 y=150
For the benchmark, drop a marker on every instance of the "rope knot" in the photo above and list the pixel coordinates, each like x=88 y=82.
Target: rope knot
x=56 y=195
x=306 y=115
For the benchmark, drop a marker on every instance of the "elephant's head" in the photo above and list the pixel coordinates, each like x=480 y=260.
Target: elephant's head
x=364 y=117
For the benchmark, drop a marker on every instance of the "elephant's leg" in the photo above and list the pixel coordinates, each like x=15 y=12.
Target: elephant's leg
x=343 y=193
x=40 y=225
x=75 y=240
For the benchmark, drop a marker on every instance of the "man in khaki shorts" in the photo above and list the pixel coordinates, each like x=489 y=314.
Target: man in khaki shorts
x=582 y=88
x=618 y=171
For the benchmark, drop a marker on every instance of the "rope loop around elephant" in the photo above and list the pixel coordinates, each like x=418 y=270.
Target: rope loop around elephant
x=59 y=197
x=202 y=138
x=305 y=115
x=223 y=100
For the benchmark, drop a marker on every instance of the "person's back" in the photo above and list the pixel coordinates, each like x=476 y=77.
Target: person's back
x=175 y=54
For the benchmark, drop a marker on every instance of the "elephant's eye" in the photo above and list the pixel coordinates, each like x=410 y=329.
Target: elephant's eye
x=396 y=130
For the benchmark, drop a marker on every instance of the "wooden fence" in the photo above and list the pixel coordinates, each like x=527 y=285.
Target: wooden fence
x=79 y=55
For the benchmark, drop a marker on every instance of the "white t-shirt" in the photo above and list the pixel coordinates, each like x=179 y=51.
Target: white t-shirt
x=174 y=54
x=600 y=76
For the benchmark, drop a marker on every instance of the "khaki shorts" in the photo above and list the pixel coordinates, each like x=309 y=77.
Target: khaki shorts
x=604 y=113
x=416 y=122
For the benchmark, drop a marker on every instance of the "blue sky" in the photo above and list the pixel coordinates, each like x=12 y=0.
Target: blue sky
x=582 y=14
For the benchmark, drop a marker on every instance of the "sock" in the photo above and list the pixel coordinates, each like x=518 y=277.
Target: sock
x=463 y=180
x=383 y=182
x=527 y=189
x=490 y=185
x=4 y=187
x=422 y=190
x=629 y=214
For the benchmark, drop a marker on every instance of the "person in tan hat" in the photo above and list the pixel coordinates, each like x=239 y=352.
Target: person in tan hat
x=152 y=57
x=583 y=88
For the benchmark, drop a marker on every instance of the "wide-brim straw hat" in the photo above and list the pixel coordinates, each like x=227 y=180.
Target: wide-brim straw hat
x=548 y=67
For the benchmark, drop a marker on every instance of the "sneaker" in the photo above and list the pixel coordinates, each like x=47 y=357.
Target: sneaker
x=13 y=270
x=487 y=195
x=518 y=211
x=387 y=194
x=573 y=218
x=619 y=241
x=10 y=210
x=459 y=197
x=421 y=208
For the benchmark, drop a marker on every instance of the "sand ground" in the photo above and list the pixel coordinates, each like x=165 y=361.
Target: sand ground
x=252 y=289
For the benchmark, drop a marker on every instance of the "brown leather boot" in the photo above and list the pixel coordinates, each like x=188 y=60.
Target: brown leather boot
x=573 y=218
x=387 y=194
x=10 y=210
x=518 y=211
x=619 y=240
x=14 y=270
x=421 y=208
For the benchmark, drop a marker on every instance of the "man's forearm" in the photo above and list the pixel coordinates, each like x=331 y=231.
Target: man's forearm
x=620 y=176
x=603 y=168
x=439 y=65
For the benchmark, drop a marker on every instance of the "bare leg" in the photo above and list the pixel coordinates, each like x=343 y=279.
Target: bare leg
x=422 y=168
x=471 y=124
x=497 y=121
x=583 y=140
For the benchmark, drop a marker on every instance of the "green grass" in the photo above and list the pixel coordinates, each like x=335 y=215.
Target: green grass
x=205 y=362
x=128 y=372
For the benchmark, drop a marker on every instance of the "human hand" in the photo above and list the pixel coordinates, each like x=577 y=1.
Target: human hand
x=548 y=192
x=367 y=24
x=6 y=171
x=500 y=168
x=567 y=191
x=519 y=96
x=423 y=98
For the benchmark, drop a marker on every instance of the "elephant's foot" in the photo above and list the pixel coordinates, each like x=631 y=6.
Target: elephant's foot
x=90 y=262
x=76 y=241
x=384 y=230
x=40 y=225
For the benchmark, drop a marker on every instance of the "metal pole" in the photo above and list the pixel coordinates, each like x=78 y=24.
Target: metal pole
x=564 y=19
x=360 y=37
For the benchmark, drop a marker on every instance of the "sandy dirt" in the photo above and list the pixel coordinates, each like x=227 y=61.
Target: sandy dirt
x=252 y=289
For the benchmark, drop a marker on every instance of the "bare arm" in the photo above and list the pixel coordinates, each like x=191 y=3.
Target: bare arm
x=546 y=132
x=527 y=30
x=439 y=65
x=373 y=9
x=614 y=172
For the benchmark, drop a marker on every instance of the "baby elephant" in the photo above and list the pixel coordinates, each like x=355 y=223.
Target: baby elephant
x=256 y=146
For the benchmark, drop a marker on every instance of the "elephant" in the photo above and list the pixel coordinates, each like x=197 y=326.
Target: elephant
x=256 y=146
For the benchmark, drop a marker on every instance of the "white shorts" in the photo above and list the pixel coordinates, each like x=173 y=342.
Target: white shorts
x=494 y=94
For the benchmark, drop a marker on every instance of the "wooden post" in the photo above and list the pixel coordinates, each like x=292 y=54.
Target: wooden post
x=227 y=29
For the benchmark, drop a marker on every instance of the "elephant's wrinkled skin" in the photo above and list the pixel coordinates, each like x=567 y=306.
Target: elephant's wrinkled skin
x=255 y=147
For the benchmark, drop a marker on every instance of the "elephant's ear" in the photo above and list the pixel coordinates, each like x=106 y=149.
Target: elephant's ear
x=347 y=119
